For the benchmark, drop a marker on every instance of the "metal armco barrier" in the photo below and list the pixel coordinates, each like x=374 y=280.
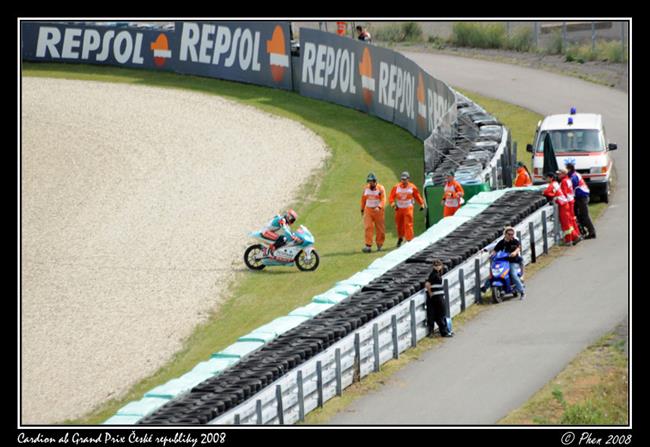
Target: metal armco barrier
x=294 y=395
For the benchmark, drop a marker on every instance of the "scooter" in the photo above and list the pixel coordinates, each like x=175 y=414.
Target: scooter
x=300 y=252
x=500 y=281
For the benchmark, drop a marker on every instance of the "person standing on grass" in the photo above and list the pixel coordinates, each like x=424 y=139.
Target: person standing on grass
x=402 y=197
x=373 y=202
x=436 y=313
x=581 y=206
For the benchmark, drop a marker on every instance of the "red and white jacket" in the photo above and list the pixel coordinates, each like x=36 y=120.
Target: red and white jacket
x=567 y=189
x=554 y=191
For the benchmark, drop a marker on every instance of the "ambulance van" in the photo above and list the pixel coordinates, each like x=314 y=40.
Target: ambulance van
x=579 y=138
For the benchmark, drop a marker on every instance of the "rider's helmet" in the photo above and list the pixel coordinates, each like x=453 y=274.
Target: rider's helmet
x=371 y=177
x=290 y=216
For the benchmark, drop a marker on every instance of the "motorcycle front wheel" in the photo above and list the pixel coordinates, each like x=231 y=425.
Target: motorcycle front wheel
x=307 y=265
x=253 y=257
x=497 y=296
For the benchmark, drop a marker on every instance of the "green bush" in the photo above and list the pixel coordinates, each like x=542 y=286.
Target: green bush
x=437 y=42
x=479 y=35
x=388 y=33
x=556 y=44
x=405 y=32
x=521 y=39
x=579 y=53
x=412 y=32
x=604 y=51
x=612 y=51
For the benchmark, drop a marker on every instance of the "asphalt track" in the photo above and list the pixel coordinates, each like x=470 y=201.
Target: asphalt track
x=507 y=353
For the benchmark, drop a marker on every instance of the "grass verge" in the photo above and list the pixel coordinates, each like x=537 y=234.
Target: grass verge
x=591 y=390
x=329 y=206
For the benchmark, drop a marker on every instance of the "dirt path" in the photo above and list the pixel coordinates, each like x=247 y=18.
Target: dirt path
x=136 y=202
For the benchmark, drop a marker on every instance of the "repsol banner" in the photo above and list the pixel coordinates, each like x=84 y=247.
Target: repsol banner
x=253 y=52
x=60 y=42
x=374 y=80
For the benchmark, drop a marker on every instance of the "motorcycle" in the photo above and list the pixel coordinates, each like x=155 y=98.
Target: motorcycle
x=500 y=281
x=299 y=251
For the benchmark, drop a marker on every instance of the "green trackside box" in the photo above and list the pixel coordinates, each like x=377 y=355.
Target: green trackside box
x=433 y=196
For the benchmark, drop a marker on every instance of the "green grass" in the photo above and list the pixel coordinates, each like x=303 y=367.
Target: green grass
x=329 y=206
x=591 y=390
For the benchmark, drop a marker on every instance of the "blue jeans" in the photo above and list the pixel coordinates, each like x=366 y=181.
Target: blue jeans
x=514 y=277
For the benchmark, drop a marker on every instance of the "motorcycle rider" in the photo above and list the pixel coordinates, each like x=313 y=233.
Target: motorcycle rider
x=278 y=230
x=512 y=246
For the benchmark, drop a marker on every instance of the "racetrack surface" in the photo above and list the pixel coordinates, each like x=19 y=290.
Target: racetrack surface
x=508 y=352
x=136 y=203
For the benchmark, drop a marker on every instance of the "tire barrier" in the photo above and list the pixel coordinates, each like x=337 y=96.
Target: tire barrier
x=274 y=364
x=474 y=149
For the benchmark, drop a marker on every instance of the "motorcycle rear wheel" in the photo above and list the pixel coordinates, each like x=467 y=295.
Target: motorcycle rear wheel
x=307 y=266
x=253 y=257
x=497 y=296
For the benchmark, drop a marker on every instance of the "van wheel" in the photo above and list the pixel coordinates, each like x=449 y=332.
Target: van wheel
x=604 y=198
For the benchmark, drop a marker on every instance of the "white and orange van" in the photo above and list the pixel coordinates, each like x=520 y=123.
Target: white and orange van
x=579 y=138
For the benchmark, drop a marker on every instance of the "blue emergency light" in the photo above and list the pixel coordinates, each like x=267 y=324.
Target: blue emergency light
x=570 y=121
x=573 y=110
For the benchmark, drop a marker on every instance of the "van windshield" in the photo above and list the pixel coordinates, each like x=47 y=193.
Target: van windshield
x=573 y=140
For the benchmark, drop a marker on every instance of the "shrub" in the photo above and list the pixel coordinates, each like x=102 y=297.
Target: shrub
x=579 y=53
x=521 y=39
x=412 y=32
x=479 y=35
x=437 y=42
x=556 y=44
x=405 y=32
x=613 y=51
x=388 y=33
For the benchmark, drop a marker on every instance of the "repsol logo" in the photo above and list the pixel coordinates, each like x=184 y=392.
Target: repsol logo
x=397 y=89
x=218 y=45
x=89 y=44
x=326 y=66
x=438 y=107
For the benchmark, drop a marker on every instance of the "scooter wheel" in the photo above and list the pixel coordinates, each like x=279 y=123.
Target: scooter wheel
x=497 y=296
x=253 y=257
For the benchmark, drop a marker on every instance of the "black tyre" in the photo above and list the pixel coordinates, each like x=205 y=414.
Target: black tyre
x=604 y=198
x=253 y=257
x=497 y=297
x=304 y=265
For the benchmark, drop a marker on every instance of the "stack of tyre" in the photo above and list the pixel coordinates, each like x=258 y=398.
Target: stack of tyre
x=219 y=394
x=477 y=139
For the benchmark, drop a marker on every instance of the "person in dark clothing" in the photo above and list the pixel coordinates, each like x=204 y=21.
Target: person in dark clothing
x=436 y=301
x=363 y=35
x=511 y=245
x=581 y=205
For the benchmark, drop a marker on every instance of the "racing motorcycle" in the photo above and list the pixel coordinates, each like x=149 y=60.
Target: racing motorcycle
x=299 y=251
